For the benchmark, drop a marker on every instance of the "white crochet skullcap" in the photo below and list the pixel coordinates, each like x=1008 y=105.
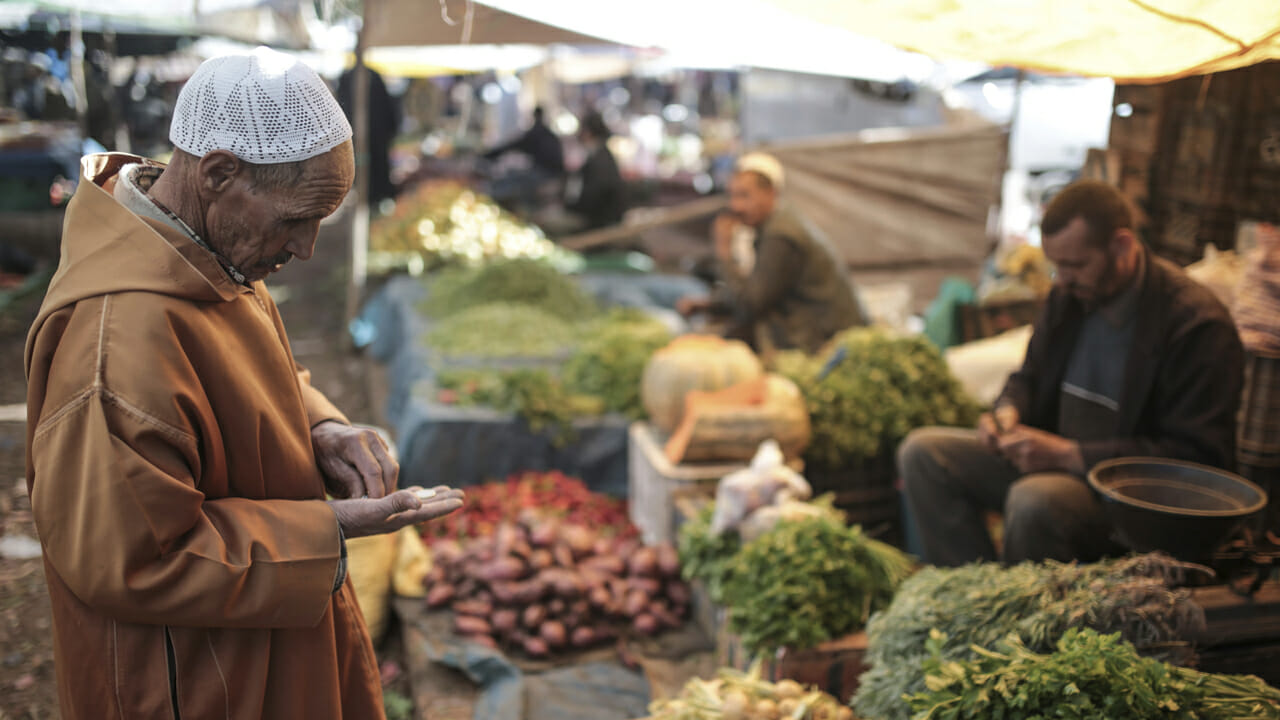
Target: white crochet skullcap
x=265 y=107
x=763 y=164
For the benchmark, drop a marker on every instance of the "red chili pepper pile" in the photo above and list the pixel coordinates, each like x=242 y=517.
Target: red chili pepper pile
x=551 y=494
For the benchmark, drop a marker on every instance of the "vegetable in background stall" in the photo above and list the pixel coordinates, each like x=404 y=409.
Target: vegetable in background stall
x=981 y=603
x=601 y=375
x=1087 y=676
x=807 y=581
x=885 y=386
x=737 y=695
x=443 y=223
x=530 y=283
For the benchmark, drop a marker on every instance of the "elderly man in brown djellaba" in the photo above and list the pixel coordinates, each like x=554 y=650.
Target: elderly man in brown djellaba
x=178 y=459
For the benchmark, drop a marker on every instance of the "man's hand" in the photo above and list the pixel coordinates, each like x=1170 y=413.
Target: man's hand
x=368 y=516
x=354 y=461
x=722 y=233
x=1033 y=450
x=999 y=421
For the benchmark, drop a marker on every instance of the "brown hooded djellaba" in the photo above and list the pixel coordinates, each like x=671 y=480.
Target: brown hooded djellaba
x=189 y=553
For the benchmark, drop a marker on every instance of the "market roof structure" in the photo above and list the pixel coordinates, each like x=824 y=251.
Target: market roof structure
x=1143 y=41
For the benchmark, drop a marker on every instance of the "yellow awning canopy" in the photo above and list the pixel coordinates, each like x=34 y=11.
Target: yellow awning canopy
x=1134 y=41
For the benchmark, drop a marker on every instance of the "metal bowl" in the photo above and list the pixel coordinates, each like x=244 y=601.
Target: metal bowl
x=1182 y=508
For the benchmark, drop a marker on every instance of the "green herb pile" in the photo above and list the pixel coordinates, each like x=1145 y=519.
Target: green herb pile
x=501 y=330
x=610 y=361
x=601 y=375
x=535 y=395
x=886 y=386
x=706 y=556
x=808 y=581
x=529 y=283
x=1088 y=676
x=799 y=584
x=980 y=604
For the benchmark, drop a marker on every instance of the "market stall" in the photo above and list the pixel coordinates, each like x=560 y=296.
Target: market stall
x=499 y=360
x=786 y=524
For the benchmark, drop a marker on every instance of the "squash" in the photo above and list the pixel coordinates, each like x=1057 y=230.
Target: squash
x=692 y=362
x=729 y=425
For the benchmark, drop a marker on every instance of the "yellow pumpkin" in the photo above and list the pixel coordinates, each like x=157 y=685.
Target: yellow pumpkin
x=692 y=362
x=729 y=425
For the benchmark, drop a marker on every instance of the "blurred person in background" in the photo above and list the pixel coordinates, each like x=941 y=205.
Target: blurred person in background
x=783 y=287
x=545 y=156
x=594 y=194
x=384 y=124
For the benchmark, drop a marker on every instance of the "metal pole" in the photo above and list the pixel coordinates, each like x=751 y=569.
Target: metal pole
x=76 y=66
x=360 y=130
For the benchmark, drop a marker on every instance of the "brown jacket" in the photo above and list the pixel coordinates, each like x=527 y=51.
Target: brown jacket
x=189 y=554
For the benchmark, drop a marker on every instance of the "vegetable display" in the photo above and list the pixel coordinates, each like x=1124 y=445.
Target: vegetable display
x=807 y=581
x=610 y=361
x=1089 y=675
x=706 y=556
x=545 y=585
x=601 y=375
x=980 y=604
x=445 y=223
x=879 y=387
x=737 y=695
x=552 y=495
x=540 y=563
x=692 y=362
x=500 y=330
x=529 y=283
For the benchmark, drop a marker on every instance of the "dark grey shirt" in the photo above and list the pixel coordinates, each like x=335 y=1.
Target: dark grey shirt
x=1091 y=389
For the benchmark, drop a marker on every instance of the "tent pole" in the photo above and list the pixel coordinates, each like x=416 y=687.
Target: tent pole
x=360 y=131
x=75 y=62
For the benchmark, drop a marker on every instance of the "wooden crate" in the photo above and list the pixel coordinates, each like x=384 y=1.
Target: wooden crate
x=834 y=666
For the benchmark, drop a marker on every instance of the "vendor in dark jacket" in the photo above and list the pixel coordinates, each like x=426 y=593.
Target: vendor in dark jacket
x=596 y=193
x=1130 y=357
x=783 y=286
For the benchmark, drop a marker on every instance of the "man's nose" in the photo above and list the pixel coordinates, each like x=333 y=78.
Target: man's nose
x=302 y=244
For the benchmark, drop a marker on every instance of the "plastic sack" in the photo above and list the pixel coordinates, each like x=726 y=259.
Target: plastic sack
x=767 y=481
x=763 y=519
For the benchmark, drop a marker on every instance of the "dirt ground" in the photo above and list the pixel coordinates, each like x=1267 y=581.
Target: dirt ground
x=312 y=300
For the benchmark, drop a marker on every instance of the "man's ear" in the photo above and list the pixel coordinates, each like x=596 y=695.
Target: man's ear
x=1122 y=241
x=217 y=169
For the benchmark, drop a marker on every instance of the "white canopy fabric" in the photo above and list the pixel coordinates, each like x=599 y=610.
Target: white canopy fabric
x=746 y=33
x=899 y=197
x=1143 y=41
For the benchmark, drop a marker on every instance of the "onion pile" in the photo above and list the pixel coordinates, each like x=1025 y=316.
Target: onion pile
x=544 y=585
